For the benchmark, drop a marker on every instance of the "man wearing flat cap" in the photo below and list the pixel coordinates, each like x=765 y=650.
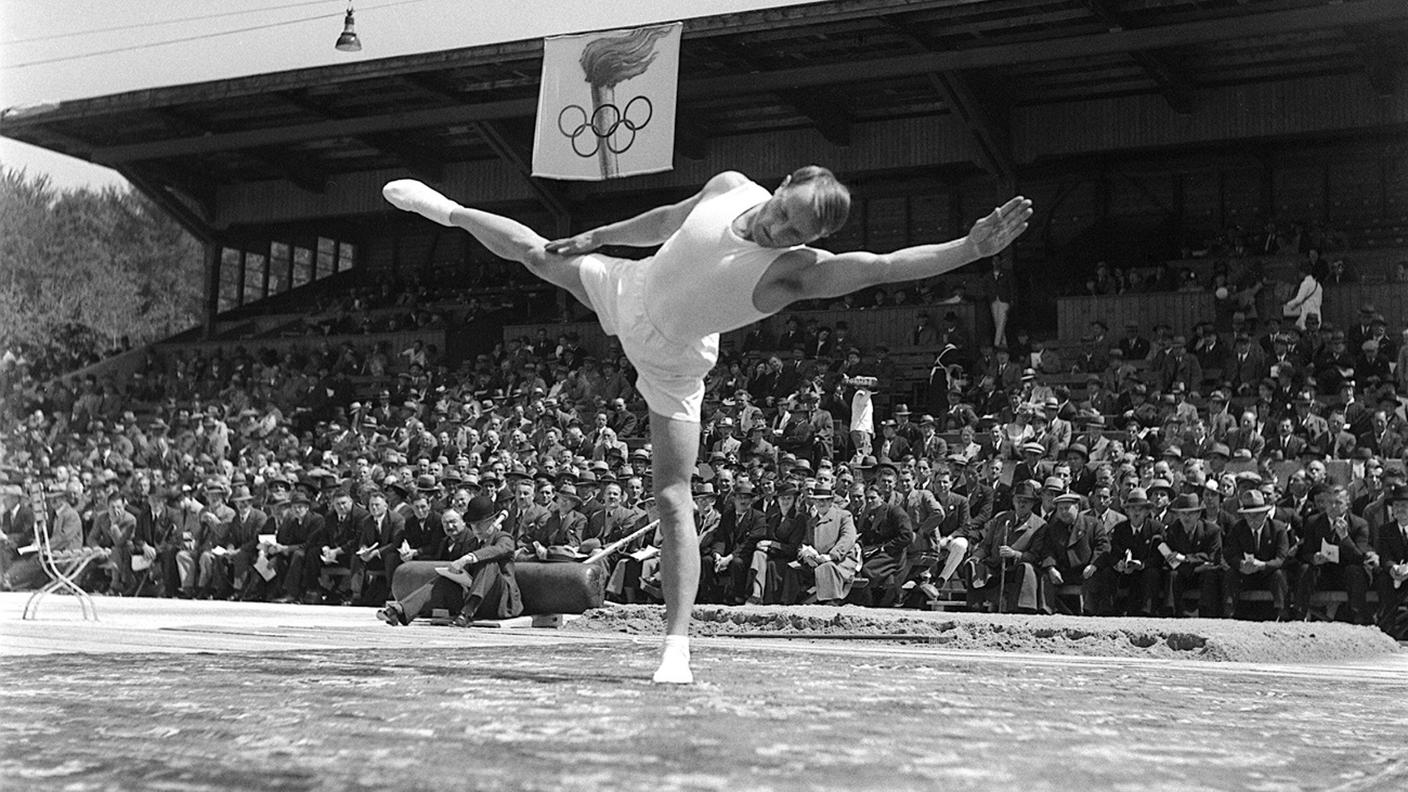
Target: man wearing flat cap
x=1254 y=553
x=1074 y=551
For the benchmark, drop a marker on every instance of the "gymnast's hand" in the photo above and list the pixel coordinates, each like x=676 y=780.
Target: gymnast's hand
x=996 y=231
x=585 y=242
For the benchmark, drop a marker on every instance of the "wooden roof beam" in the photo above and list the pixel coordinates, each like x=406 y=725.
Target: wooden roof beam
x=1364 y=12
x=499 y=139
x=986 y=120
x=1173 y=85
x=298 y=172
x=829 y=117
x=419 y=160
x=1380 y=55
x=193 y=219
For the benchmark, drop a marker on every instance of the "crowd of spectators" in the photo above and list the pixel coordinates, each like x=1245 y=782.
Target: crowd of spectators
x=1112 y=478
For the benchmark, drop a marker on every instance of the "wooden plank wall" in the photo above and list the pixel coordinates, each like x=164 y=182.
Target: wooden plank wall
x=890 y=326
x=1179 y=309
x=365 y=342
x=1183 y=310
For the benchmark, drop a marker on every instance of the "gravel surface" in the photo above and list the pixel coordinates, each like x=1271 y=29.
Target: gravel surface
x=581 y=715
x=1203 y=639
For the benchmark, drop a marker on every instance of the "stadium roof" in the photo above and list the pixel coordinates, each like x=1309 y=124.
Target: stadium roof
x=824 y=66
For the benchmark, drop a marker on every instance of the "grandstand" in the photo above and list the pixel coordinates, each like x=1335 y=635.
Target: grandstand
x=1156 y=140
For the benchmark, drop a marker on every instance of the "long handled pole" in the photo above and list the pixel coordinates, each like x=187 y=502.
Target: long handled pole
x=622 y=542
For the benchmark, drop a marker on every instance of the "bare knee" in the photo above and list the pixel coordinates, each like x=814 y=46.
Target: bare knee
x=676 y=511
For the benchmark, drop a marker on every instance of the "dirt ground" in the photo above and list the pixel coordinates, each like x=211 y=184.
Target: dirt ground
x=1202 y=639
x=582 y=715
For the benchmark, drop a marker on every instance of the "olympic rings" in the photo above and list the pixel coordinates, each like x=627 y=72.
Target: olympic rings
x=604 y=122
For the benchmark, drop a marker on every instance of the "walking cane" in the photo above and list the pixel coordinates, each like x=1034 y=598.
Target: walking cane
x=1001 y=584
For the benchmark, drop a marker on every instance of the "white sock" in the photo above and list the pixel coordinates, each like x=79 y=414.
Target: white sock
x=674 y=662
x=413 y=196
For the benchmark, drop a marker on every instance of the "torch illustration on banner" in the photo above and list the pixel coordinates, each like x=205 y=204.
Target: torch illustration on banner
x=608 y=62
x=600 y=92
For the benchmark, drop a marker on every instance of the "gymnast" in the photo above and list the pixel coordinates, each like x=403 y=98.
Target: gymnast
x=730 y=255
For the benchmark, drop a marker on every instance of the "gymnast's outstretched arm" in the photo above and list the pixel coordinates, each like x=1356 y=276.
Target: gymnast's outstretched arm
x=806 y=274
x=645 y=229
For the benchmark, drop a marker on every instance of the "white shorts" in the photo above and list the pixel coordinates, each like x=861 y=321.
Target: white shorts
x=669 y=373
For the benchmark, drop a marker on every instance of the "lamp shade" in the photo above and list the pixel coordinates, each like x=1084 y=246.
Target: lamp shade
x=348 y=41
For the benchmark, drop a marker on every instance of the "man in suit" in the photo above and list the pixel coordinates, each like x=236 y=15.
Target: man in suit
x=241 y=544
x=1285 y=445
x=891 y=447
x=521 y=513
x=562 y=527
x=378 y=546
x=298 y=525
x=162 y=525
x=1393 y=561
x=1333 y=554
x=1190 y=554
x=885 y=535
x=1134 y=547
x=728 y=557
x=1004 y=563
x=114 y=530
x=16 y=526
x=1179 y=366
x=480 y=557
x=1133 y=346
x=336 y=544
x=1075 y=550
x=1006 y=374
x=1255 y=552
x=1246 y=366
x=1381 y=440
x=955 y=531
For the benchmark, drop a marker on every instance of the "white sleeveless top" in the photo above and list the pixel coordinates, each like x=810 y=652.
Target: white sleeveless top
x=702 y=279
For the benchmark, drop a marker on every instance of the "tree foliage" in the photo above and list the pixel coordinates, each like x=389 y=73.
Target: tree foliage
x=93 y=265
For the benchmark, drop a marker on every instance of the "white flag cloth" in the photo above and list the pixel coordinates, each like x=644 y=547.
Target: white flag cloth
x=607 y=104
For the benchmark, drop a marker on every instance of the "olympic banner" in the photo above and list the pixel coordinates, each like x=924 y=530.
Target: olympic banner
x=607 y=105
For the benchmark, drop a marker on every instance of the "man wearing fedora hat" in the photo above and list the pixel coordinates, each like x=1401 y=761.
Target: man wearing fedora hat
x=829 y=555
x=727 y=559
x=298 y=524
x=1002 y=571
x=560 y=528
x=1392 y=580
x=1190 y=553
x=1133 y=546
x=480 y=581
x=231 y=571
x=1254 y=553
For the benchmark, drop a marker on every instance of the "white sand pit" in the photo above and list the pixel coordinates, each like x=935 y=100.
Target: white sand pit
x=1202 y=639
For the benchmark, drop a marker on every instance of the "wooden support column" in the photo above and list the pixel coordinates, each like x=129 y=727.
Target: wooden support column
x=213 y=249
